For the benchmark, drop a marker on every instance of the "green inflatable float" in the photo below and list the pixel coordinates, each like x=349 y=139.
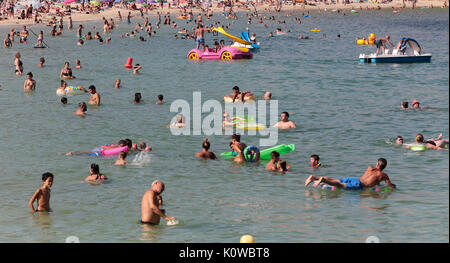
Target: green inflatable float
x=265 y=154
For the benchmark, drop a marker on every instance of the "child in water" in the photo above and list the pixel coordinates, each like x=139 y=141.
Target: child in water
x=42 y=195
x=121 y=160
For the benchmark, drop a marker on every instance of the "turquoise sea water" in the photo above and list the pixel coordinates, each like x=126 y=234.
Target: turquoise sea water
x=346 y=112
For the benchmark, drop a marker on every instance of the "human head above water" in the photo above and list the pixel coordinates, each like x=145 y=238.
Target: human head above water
x=158 y=186
x=419 y=138
x=381 y=164
x=95 y=169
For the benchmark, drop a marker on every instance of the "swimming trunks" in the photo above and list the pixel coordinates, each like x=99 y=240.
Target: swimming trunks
x=351 y=183
x=147 y=223
x=379 y=43
x=95 y=154
x=200 y=40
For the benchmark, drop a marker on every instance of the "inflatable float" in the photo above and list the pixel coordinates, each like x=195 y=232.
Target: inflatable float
x=265 y=154
x=378 y=189
x=362 y=42
x=70 y=91
x=315 y=30
x=109 y=152
x=228 y=99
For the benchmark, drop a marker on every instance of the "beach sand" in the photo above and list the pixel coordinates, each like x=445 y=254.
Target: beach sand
x=113 y=12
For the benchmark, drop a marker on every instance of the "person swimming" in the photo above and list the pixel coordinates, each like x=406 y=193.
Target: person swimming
x=205 y=153
x=95 y=174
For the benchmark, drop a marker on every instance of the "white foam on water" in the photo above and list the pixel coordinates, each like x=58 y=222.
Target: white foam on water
x=141 y=158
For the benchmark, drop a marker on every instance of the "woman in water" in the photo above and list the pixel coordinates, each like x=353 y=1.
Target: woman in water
x=205 y=154
x=30 y=83
x=66 y=72
x=95 y=174
x=19 y=65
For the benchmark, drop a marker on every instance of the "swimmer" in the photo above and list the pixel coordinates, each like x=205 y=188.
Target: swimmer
x=80 y=42
x=18 y=64
x=117 y=85
x=267 y=95
x=63 y=100
x=95 y=174
x=372 y=177
x=274 y=162
x=121 y=160
x=66 y=72
x=404 y=105
x=240 y=96
x=179 y=121
x=137 y=98
x=151 y=201
x=136 y=69
x=228 y=121
x=283 y=166
x=430 y=144
x=439 y=142
x=399 y=140
x=416 y=104
x=314 y=161
x=95 y=97
x=42 y=195
x=41 y=62
x=239 y=149
x=205 y=154
x=143 y=147
x=82 y=108
x=78 y=64
x=285 y=123
x=30 y=83
x=160 y=99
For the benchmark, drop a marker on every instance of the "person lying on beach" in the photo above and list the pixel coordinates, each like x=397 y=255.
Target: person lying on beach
x=205 y=154
x=42 y=195
x=95 y=174
x=314 y=160
x=82 y=108
x=66 y=72
x=150 y=205
x=372 y=177
x=121 y=159
x=285 y=123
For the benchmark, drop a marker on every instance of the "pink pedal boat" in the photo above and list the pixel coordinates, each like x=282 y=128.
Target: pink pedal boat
x=225 y=53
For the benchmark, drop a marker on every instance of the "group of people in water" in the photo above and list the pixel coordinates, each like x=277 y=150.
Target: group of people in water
x=151 y=211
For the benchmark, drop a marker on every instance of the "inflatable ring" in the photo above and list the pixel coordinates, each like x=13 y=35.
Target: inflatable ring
x=418 y=148
x=193 y=56
x=249 y=157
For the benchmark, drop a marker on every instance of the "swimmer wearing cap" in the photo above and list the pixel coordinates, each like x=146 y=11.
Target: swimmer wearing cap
x=151 y=201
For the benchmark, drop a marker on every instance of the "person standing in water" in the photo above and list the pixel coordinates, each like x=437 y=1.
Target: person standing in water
x=18 y=64
x=30 y=83
x=150 y=205
x=95 y=97
x=42 y=195
x=205 y=154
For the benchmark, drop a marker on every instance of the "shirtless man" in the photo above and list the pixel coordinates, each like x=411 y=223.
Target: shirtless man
x=42 y=195
x=151 y=201
x=240 y=96
x=121 y=159
x=274 y=163
x=30 y=83
x=199 y=34
x=95 y=97
x=205 y=154
x=23 y=35
x=160 y=99
x=117 y=85
x=285 y=123
x=372 y=177
x=381 y=43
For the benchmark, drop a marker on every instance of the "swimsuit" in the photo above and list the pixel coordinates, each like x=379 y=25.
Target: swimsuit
x=147 y=223
x=200 y=40
x=351 y=183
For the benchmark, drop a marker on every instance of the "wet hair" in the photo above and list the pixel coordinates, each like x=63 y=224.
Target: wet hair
x=30 y=74
x=405 y=104
x=95 y=168
x=137 y=97
x=64 y=100
x=399 y=137
x=382 y=163
x=92 y=87
x=206 y=144
x=46 y=175
x=128 y=142
x=142 y=145
x=236 y=88
x=160 y=97
x=419 y=137
x=236 y=137
x=315 y=157
x=122 y=143
x=285 y=113
x=42 y=59
x=123 y=155
x=274 y=154
x=283 y=165
x=83 y=106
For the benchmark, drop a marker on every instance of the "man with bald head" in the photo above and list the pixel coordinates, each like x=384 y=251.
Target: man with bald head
x=150 y=212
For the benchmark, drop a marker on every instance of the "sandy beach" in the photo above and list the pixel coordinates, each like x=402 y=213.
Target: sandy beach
x=319 y=6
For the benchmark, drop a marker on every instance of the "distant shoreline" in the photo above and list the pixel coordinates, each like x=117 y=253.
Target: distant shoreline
x=113 y=12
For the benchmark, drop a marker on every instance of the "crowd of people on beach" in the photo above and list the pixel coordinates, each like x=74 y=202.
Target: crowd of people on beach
x=152 y=200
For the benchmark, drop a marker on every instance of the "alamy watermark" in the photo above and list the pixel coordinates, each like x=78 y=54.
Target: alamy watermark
x=260 y=113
